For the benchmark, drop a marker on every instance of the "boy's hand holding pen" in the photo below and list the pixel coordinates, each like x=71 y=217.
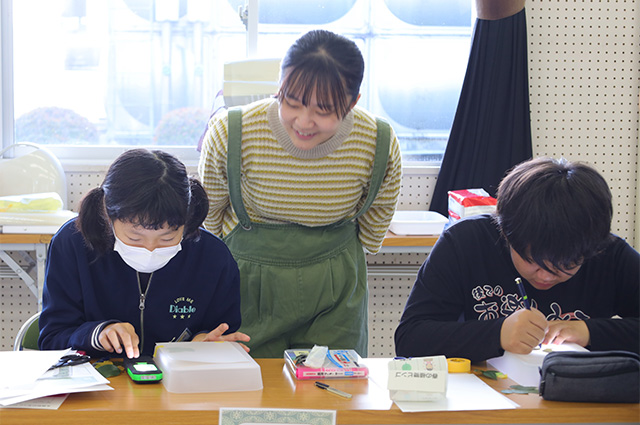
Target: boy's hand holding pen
x=558 y=331
x=524 y=329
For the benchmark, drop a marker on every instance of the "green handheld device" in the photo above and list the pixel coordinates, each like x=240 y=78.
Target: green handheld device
x=143 y=370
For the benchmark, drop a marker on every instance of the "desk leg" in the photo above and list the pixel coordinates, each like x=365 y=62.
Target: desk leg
x=41 y=256
x=21 y=273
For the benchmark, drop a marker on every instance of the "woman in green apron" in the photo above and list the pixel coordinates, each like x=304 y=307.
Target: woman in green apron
x=300 y=186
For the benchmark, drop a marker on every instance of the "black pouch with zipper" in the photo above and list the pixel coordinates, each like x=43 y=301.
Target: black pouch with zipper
x=595 y=376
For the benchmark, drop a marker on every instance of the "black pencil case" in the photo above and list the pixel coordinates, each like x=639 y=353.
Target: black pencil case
x=594 y=376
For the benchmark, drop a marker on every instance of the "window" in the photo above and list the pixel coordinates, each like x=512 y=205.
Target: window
x=93 y=76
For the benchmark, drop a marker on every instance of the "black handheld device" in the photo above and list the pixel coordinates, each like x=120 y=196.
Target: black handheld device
x=143 y=370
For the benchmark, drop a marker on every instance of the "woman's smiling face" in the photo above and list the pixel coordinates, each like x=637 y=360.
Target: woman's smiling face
x=308 y=126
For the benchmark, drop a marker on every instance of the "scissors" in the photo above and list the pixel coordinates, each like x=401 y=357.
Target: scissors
x=299 y=359
x=71 y=360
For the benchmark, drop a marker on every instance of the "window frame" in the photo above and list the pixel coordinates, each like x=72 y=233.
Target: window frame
x=101 y=154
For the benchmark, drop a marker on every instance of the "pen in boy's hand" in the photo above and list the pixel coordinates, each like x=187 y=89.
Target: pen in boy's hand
x=335 y=391
x=523 y=294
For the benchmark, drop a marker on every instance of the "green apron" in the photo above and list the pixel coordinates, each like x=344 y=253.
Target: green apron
x=300 y=286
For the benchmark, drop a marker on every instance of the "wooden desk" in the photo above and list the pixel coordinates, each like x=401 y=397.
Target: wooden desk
x=24 y=238
x=142 y=404
x=391 y=239
x=393 y=243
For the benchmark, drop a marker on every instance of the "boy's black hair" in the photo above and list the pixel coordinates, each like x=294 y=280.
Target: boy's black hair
x=554 y=213
x=146 y=188
x=326 y=63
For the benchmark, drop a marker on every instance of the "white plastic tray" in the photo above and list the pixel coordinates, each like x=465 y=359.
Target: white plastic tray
x=417 y=223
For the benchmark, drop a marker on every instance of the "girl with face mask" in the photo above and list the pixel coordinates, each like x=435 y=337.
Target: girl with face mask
x=135 y=268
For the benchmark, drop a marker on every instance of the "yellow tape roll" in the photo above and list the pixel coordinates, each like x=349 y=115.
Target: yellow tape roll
x=457 y=365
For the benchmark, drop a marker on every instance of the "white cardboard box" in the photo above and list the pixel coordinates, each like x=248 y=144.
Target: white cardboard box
x=198 y=367
x=418 y=379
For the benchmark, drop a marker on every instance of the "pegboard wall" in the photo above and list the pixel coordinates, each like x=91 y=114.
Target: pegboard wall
x=584 y=79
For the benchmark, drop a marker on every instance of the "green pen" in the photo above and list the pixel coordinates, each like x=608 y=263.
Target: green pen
x=523 y=294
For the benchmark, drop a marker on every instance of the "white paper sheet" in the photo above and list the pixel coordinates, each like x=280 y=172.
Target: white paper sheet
x=52 y=402
x=524 y=368
x=19 y=368
x=62 y=380
x=465 y=391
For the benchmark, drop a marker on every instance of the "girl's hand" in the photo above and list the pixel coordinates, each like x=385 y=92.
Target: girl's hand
x=217 y=335
x=116 y=336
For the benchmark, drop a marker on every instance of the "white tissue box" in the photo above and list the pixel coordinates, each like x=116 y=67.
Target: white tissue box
x=468 y=202
x=418 y=379
x=199 y=367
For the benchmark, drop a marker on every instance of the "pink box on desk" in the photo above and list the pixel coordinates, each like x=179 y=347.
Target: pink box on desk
x=337 y=364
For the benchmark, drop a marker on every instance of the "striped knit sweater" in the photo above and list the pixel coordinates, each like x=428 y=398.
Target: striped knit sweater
x=283 y=184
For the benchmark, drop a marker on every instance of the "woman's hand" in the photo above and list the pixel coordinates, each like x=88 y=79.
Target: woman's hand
x=561 y=331
x=523 y=330
x=217 y=335
x=116 y=336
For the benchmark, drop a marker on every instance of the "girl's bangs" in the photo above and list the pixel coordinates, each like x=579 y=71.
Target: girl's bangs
x=301 y=84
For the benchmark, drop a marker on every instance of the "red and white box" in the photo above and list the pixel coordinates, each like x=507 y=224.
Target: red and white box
x=468 y=202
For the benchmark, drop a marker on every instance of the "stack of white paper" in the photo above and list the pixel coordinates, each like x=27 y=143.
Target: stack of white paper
x=465 y=391
x=25 y=375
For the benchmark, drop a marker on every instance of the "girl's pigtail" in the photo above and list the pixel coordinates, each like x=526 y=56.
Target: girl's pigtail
x=93 y=222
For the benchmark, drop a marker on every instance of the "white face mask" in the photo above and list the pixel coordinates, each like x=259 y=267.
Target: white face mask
x=143 y=260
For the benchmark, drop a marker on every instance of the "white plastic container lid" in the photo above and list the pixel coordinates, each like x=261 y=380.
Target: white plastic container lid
x=417 y=223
